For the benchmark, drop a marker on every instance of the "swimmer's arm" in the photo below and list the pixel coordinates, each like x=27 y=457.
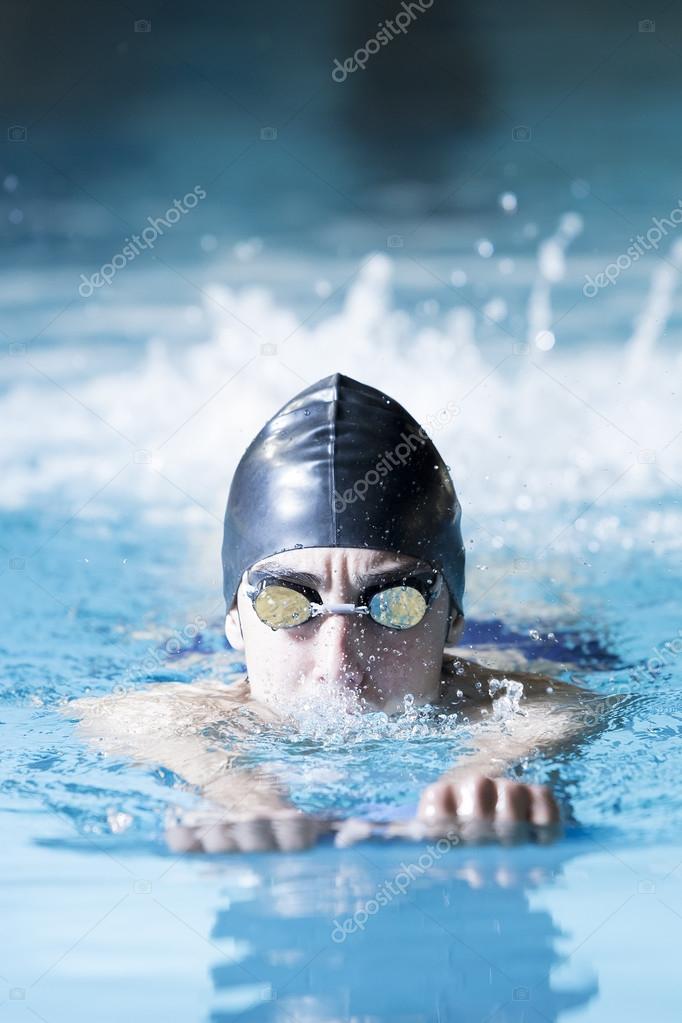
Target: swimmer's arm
x=498 y=746
x=246 y=810
x=149 y=727
x=552 y=717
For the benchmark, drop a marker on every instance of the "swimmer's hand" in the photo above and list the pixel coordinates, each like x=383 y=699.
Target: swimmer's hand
x=466 y=809
x=285 y=830
x=469 y=808
x=481 y=807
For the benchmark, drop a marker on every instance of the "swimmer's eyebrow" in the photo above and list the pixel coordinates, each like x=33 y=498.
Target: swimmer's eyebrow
x=273 y=568
x=379 y=575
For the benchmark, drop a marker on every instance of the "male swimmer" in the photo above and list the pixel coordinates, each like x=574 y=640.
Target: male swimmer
x=343 y=574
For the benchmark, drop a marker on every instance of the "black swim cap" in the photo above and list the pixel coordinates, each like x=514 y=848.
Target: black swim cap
x=342 y=465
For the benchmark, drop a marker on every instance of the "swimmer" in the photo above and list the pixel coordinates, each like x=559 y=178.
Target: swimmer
x=343 y=576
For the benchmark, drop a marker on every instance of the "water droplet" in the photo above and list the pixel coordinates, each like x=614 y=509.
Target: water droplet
x=545 y=340
x=508 y=202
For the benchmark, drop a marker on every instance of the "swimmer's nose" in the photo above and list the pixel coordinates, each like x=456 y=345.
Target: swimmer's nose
x=339 y=650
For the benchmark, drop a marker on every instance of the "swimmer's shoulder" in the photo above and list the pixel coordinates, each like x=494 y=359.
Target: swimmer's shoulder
x=468 y=680
x=158 y=705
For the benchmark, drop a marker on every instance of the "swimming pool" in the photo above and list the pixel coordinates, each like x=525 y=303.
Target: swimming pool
x=555 y=401
x=566 y=459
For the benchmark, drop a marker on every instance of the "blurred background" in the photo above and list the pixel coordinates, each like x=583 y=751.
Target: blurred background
x=439 y=205
x=119 y=108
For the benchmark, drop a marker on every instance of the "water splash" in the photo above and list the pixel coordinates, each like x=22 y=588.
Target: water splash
x=551 y=269
x=337 y=716
x=549 y=425
x=506 y=695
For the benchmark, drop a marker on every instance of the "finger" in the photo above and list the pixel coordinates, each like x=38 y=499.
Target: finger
x=253 y=835
x=292 y=834
x=513 y=802
x=218 y=838
x=477 y=798
x=182 y=839
x=544 y=808
x=352 y=830
x=437 y=802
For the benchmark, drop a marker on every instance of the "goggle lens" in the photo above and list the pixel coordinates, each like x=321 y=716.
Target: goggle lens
x=280 y=607
x=399 y=607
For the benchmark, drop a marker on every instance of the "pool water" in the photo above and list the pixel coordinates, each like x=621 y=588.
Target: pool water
x=566 y=461
x=558 y=412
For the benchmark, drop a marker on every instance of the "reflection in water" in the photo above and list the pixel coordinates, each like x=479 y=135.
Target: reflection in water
x=458 y=940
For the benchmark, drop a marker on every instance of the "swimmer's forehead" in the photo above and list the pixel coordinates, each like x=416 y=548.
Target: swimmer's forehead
x=321 y=564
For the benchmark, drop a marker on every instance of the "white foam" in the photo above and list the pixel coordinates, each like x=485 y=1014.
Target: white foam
x=544 y=428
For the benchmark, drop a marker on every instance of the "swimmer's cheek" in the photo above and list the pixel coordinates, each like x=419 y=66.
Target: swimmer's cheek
x=479 y=804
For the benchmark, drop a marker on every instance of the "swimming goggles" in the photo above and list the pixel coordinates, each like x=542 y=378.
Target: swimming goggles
x=397 y=604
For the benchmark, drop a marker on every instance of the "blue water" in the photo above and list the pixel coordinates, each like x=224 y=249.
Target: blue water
x=129 y=410
x=112 y=918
